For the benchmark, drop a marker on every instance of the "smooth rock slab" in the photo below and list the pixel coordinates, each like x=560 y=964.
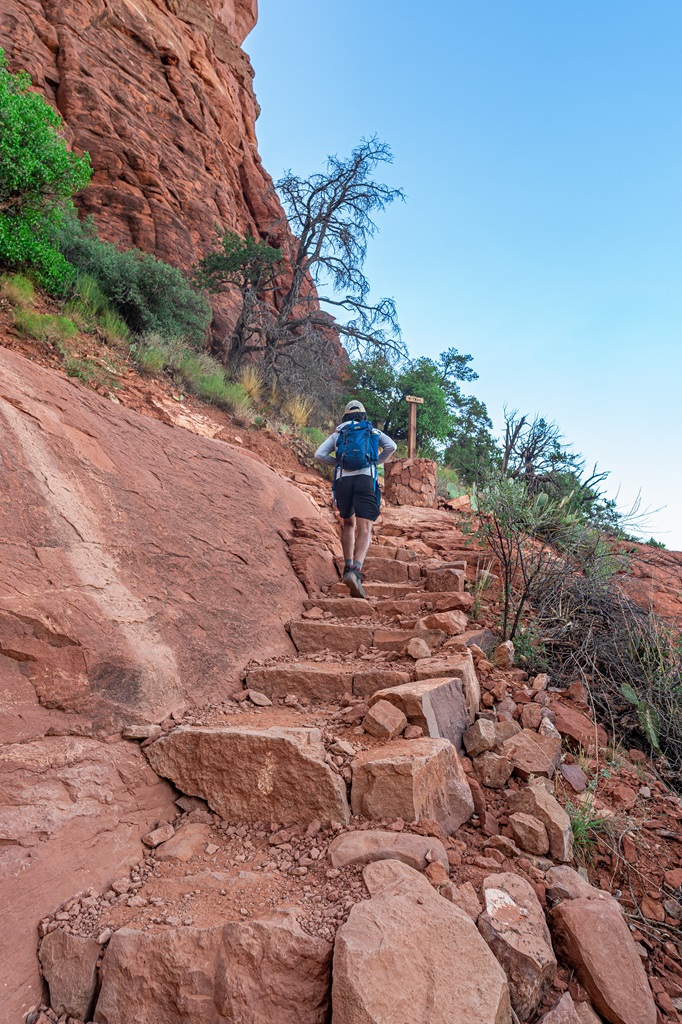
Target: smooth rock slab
x=437 y=705
x=69 y=964
x=249 y=775
x=591 y=934
x=412 y=779
x=407 y=956
x=513 y=924
x=364 y=847
x=266 y=971
x=368 y=681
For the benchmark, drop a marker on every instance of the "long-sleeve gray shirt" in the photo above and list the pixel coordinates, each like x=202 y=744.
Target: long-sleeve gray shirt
x=325 y=453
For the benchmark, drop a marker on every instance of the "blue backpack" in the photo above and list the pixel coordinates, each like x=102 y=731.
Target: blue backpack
x=357 y=445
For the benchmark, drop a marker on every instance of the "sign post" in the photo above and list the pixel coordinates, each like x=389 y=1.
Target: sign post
x=412 y=425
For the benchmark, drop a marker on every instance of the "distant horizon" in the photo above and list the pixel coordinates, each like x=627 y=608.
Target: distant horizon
x=541 y=155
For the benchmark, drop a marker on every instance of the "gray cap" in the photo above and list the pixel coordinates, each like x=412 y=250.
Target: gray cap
x=354 y=406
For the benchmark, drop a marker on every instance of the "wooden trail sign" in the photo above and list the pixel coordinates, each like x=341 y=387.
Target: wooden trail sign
x=412 y=425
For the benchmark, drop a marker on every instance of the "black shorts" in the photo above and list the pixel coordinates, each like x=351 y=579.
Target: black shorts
x=356 y=495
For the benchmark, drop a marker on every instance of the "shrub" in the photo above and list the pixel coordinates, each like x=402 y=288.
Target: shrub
x=148 y=294
x=17 y=289
x=314 y=436
x=251 y=380
x=44 y=326
x=38 y=177
x=150 y=358
x=298 y=410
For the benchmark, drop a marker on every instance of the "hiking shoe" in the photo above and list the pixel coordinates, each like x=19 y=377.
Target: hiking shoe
x=353 y=580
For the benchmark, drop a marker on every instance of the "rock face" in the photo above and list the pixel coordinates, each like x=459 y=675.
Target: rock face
x=407 y=956
x=412 y=779
x=257 y=972
x=72 y=812
x=136 y=582
x=161 y=96
x=249 y=774
x=593 y=936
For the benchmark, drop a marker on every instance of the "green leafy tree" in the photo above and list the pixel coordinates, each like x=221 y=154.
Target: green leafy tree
x=472 y=451
x=38 y=177
x=382 y=388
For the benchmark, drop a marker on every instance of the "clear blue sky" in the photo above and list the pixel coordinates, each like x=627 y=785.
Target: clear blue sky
x=540 y=147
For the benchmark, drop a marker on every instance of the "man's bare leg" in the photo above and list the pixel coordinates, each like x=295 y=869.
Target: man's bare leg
x=348 y=539
x=363 y=539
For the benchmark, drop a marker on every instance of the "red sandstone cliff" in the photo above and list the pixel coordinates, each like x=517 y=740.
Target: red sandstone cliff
x=160 y=93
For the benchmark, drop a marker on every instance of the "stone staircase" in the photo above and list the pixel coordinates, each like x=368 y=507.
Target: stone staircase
x=339 y=796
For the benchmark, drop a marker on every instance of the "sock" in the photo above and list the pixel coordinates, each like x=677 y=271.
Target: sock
x=348 y=564
x=357 y=566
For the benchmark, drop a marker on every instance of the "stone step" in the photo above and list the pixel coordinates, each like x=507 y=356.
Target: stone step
x=424 y=601
x=439 y=706
x=386 y=570
x=398 y=639
x=253 y=774
x=338 y=637
x=323 y=681
x=443 y=579
x=384 y=551
x=386 y=590
x=342 y=607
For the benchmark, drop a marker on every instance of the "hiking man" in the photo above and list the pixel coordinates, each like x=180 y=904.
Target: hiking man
x=355 y=449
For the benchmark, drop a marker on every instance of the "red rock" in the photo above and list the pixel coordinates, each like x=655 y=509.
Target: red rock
x=69 y=964
x=398 y=639
x=418 y=648
x=339 y=637
x=265 y=971
x=673 y=878
x=479 y=737
x=156 y=837
x=458 y=666
x=503 y=656
x=529 y=833
x=437 y=705
x=370 y=680
x=652 y=909
x=593 y=937
x=575 y=777
x=384 y=720
x=410 y=482
x=412 y=779
x=408 y=956
x=623 y=797
x=450 y=622
x=535 y=800
x=315 y=680
x=492 y=770
x=363 y=847
x=249 y=774
x=531 y=716
x=578 y=727
x=413 y=732
x=513 y=924
x=444 y=580
x=563 y=1012
x=532 y=754
x=563 y=883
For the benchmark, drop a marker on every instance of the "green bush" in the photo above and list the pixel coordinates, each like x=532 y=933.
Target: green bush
x=45 y=326
x=38 y=177
x=150 y=296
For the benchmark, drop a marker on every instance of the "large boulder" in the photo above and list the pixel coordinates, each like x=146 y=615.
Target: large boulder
x=437 y=705
x=248 y=774
x=266 y=971
x=532 y=754
x=407 y=956
x=592 y=935
x=513 y=924
x=412 y=779
x=458 y=666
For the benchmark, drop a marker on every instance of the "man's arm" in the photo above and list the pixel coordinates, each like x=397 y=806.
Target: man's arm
x=387 y=446
x=324 y=452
